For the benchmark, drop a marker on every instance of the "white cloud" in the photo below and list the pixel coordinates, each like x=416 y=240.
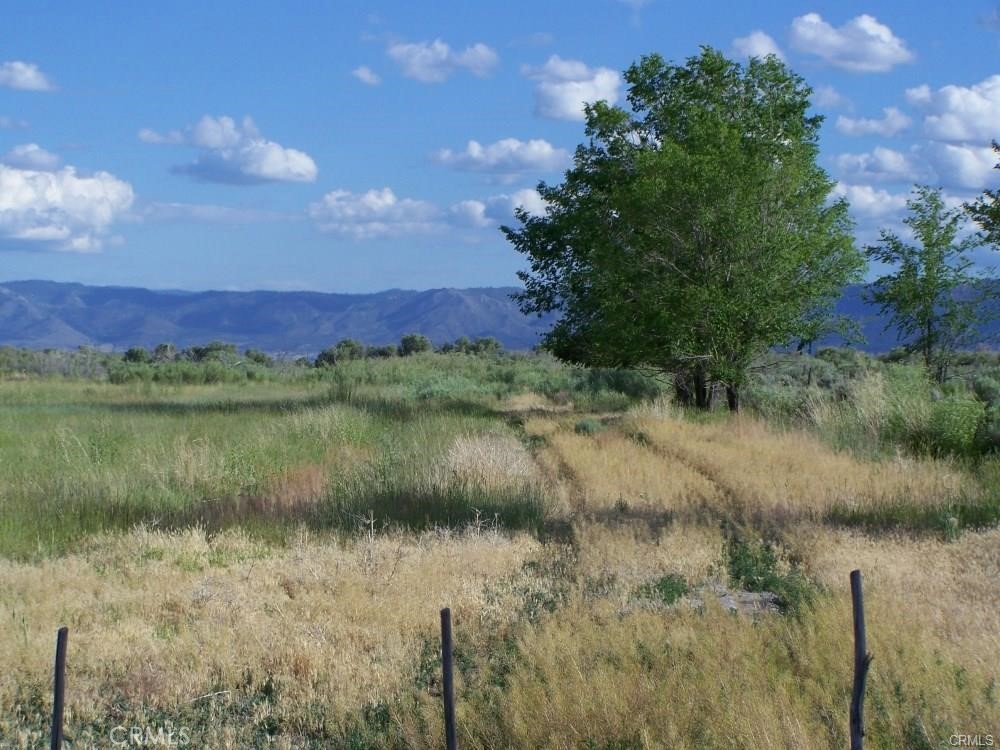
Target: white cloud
x=24 y=77
x=375 y=213
x=59 y=210
x=565 y=85
x=502 y=206
x=381 y=213
x=962 y=165
x=9 y=123
x=151 y=136
x=433 y=62
x=881 y=164
x=471 y=213
x=508 y=156
x=236 y=153
x=206 y=212
x=892 y=122
x=757 y=44
x=960 y=113
x=862 y=45
x=366 y=75
x=828 y=96
x=31 y=156
x=871 y=202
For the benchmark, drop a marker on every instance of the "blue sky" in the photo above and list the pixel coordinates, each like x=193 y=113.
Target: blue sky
x=357 y=147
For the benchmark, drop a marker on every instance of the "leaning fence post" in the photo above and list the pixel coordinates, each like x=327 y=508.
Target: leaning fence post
x=862 y=660
x=448 y=692
x=59 y=689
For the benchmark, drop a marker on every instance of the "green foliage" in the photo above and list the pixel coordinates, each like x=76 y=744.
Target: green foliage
x=257 y=357
x=666 y=589
x=693 y=233
x=414 y=343
x=926 y=295
x=753 y=565
x=214 y=351
x=137 y=354
x=588 y=426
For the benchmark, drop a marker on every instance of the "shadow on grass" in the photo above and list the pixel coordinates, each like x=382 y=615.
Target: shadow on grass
x=399 y=408
x=949 y=519
x=38 y=532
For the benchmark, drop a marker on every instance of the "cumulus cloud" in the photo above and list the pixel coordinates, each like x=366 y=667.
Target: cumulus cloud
x=366 y=75
x=870 y=202
x=960 y=113
x=434 y=62
x=59 y=210
x=375 y=213
x=828 y=96
x=862 y=45
x=472 y=213
x=9 y=123
x=23 y=76
x=881 y=165
x=757 y=44
x=962 y=165
x=236 y=153
x=509 y=157
x=565 y=85
x=380 y=213
x=892 y=122
x=497 y=209
x=31 y=156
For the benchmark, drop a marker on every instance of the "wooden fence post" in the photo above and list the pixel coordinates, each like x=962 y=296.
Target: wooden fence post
x=448 y=684
x=59 y=689
x=862 y=660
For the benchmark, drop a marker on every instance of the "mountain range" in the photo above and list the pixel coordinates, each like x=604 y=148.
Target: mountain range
x=47 y=314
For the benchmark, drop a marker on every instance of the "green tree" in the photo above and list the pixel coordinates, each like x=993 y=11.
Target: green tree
x=258 y=357
x=985 y=210
x=694 y=232
x=348 y=349
x=413 y=343
x=165 y=352
x=381 y=352
x=137 y=354
x=930 y=293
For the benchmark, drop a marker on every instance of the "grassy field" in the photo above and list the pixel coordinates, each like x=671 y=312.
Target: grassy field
x=261 y=563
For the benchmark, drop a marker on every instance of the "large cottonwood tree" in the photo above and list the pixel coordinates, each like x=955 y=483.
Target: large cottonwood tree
x=695 y=230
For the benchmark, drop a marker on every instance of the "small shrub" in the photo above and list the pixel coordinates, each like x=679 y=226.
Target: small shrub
x=588 y=426
x=665 y=589
x=753 y=566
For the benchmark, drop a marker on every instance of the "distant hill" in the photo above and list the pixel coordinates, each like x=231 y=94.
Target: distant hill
x=41 y=314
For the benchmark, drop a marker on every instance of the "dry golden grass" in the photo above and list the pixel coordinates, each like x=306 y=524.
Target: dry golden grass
x=776 y=475
x=493 y=461
x=609 y=470
x=951 y=589
x=682 y=679
x=615 y=560
x=160 y=619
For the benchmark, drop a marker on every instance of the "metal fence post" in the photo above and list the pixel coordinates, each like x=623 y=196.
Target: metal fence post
x=59 y=689
x=862 y=660
x=448 y=684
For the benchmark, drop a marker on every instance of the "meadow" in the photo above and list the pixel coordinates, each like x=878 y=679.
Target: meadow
x=260 y=560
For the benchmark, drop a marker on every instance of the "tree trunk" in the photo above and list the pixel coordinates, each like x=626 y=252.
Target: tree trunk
x=682 y=389
x=733 y=397
x=702 y=395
